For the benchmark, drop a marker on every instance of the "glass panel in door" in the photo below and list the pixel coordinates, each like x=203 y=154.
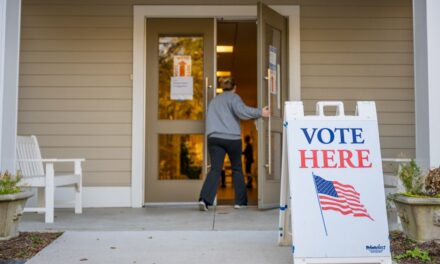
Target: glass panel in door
x=180 y=157
x=181 y=57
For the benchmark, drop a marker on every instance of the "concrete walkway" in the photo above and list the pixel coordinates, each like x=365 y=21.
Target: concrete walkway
x=163 y=247
x=161 y=235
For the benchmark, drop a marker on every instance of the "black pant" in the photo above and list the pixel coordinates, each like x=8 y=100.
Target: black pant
x=218 y=147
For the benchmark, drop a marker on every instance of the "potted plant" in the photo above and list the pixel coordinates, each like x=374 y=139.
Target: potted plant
x=419 y=206
x=12 y=200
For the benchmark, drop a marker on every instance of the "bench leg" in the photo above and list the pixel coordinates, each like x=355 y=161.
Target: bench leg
x=78 y=199
x=49 y=204
x=78 y=189
x=50 y=193
x=41 y=196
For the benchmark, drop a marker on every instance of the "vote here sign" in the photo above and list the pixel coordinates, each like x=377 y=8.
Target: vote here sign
x=336 y=184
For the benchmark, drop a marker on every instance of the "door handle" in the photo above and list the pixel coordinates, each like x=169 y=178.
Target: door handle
x=269 y=143
x=207 y=87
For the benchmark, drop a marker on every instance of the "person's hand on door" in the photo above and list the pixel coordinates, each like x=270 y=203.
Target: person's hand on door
x=265 y=112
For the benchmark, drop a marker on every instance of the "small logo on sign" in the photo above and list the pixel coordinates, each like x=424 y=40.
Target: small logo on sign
x=375 y=249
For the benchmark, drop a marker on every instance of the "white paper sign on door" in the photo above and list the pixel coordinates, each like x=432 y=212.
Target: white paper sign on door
x=273 y=70
x=181 y=88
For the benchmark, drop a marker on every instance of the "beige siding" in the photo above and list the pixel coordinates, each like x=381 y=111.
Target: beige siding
x=75 y=86
x=76 y=61
x=351 y=53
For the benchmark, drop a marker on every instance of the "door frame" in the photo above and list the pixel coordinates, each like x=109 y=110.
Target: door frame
x=227 y=12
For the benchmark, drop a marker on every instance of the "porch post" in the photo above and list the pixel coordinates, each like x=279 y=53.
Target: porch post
x=10 y=15
x=426 y=26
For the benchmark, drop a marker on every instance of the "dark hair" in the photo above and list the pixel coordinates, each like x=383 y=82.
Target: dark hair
x=227 y=83
x=247 y=138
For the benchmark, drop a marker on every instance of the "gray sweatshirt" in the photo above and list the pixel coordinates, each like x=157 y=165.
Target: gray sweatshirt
x=224 y=114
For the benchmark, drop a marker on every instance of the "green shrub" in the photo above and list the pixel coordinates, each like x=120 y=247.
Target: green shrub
x=412 y=179
x=8 y=182
x=416 y=253
x=418 y=184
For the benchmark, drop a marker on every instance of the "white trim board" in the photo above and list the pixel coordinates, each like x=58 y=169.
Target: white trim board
x=10 y=25
x=2 y=66
x=114 y=196
x=139 y=64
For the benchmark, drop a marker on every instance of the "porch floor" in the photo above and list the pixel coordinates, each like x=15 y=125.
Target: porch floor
x=153 y=218
x=161 y=235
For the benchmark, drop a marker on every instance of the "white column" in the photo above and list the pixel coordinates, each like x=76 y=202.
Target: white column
x=10 y=16
x=426 y=22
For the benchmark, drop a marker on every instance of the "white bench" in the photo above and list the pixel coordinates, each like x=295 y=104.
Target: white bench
x=31 y=165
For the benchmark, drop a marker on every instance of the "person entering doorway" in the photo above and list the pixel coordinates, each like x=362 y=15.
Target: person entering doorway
x=224 y=137
x=241 y=62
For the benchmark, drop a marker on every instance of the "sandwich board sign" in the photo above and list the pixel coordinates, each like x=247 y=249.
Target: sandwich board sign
x=333 y=169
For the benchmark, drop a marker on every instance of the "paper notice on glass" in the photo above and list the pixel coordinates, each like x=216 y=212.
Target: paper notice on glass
x=273 y=70
x=272 y=57
x=181 y=88
x=278 y=86
x=182 y=66
x=273 y=82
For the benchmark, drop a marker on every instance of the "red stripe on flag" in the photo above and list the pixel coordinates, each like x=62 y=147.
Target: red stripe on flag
x=347 y=202
x=345 y=186
x=338 y=210
x=336 y=204
x=348 y=193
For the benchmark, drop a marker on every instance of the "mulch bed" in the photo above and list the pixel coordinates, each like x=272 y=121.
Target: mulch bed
x=25 y=246
x=400 y=244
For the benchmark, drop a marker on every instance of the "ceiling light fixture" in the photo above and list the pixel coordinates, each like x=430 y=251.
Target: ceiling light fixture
x=223 y=74
x=225 y=49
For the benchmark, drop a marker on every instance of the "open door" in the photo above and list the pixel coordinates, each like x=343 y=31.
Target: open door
x=179 y=83
x=272 y=91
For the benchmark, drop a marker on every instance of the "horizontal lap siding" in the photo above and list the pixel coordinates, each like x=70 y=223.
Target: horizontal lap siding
x=352 y=51
x=75 y=86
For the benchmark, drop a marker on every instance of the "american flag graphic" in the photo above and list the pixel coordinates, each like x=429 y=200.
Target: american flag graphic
x=339 y=197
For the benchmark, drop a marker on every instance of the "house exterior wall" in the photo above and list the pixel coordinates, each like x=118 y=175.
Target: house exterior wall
x=351 y=52
x=75 y=87
x=76 y=65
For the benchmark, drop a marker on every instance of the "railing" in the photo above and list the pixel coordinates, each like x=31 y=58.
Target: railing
x=391 y=185
x=391 y=179
x=400 y=160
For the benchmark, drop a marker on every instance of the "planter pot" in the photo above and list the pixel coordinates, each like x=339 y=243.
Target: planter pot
x=420 y=217
x=11 y=209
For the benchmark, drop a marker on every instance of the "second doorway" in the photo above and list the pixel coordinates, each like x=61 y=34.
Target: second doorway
x=237 y=57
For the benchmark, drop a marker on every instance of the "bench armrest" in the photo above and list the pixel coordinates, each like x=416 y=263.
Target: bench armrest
x=52 y=160
x=50 y=164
